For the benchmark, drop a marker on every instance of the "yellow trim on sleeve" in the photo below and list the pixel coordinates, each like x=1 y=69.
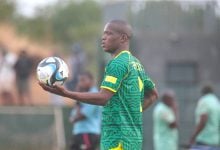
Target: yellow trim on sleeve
x=111 y=79
x=141 y=109
x=119 y=147
x=140 y=83
x=108 y=88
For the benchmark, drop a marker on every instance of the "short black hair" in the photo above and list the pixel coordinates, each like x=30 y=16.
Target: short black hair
x=87 y=74
x=207 y=89
x=124 y=28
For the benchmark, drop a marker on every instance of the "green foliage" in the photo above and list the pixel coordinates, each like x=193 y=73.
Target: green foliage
x=7 y=9
x=76 y=21
x=63 y=23
x=35 y=28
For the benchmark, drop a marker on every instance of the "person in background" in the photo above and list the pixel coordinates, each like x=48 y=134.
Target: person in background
x=86 y=118
x=23 y=68
x=165 y=123
x=76 y=63
x=207 y=132
x=7 y=75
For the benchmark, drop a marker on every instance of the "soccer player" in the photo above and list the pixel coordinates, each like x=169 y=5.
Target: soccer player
x=125 y=92
x=86 y=118
x=207 y=132
x=165 y=123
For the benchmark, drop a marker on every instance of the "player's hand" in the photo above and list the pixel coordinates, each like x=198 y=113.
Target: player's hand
x=56 y=89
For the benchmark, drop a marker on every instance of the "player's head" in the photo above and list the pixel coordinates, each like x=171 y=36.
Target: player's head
x=85 y=81
x=207 y=89
x=168 y=97
x=116 y=36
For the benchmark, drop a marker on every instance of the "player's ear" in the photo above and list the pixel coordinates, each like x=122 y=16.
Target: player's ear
x=124 y=37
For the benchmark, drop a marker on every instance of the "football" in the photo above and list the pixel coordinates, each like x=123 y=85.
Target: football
x=52 y=70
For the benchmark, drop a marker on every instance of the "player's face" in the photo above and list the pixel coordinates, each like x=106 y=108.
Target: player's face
x=84 y=83
x=110 y=38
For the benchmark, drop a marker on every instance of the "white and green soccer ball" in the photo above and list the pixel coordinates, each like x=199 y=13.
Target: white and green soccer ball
x=52 y=70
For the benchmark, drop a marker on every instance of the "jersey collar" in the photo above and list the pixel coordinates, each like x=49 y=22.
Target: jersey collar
x=124 y=51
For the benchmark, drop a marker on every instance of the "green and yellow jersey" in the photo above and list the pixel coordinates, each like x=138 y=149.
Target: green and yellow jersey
x=122 y=115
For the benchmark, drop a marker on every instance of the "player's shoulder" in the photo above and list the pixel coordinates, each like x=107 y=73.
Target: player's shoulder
x=121 y=60
x=122 y=57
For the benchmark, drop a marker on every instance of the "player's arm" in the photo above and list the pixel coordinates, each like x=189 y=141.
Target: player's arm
x=150 y=92
x=199 y=127
x=149 y=98
x=100 y=98
x=114 y=75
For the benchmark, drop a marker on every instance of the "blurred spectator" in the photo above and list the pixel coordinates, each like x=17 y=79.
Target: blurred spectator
x=7 y=76
x=86 y=118
x=165 y=123
x=23 y=68
x=207 y=132
x=76 y=63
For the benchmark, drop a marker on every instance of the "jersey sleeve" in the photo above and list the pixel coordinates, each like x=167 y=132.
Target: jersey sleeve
x=148 y=83
x=114 y=74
